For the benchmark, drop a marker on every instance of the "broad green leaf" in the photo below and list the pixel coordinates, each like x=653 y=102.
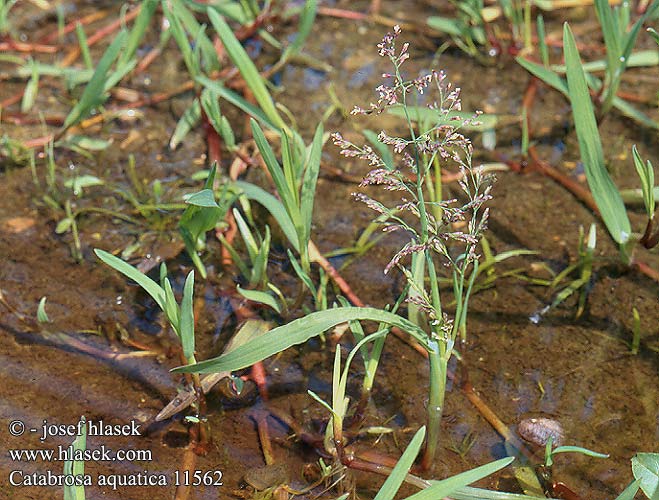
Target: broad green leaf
x=260 y=297
x=446 y=487
x=93 y=94
x=187 y=317
x=246 y=67
x=645 y=467
x=604 y=192
x=397 y=476
x=149 y=286
x=297 y=332
x=203 y=198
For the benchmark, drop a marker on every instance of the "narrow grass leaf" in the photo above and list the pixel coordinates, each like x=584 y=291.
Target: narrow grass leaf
x=149 y=286
x=446 y=487
x=309 y=183
x=542 y=42
x=84 y=46
x=286 y=194
x=604 y=191
x=272 y=205
x=297 y=332
x=469 y=493
x=93 y=94
x=398 y=474
x=202 y=42
x=187 y=317
x=190 y=118
x=42 y=316
x=646 y=174
x=147 y=8
x=545 y=74
x=31 y=90
x=444 y=25
x=307 y=18
x=639 y=59
x=246 y=67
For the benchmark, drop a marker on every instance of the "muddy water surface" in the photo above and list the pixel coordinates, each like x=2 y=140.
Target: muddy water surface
x=106 y=356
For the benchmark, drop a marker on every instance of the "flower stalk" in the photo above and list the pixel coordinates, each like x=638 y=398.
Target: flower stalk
x=430 y=221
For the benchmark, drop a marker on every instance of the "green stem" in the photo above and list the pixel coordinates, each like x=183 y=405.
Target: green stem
x=438 y=371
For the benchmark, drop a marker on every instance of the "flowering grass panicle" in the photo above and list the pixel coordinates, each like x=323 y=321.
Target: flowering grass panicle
x=438 y=229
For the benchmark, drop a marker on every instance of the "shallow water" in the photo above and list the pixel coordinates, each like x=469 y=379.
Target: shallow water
x=578 y=372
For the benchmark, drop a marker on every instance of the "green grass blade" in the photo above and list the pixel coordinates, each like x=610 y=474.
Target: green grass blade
x=297 y=332
x=246 y=67
x=545 y=74
x=629 y=493
x=469 y=493
x=202 y=41
x=187 y=317
x=445 y=25
x=274 y=206
x=310 y=181
x=397 y=476
x=638 y=59
x=646 y=173
x=93 y=94
x=140 y=26
x=237 y=101
x=84 y=46
x=542 y=42
x=287 y=196
x=190 y=118
x=605 y=193
x=307 y=18
x=149 y=286
x=446 y=487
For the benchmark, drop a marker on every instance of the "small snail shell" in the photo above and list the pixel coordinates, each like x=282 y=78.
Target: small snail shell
x=539 y=430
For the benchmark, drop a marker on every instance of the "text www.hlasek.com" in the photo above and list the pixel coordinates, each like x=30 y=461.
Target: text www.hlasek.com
x=62 y=453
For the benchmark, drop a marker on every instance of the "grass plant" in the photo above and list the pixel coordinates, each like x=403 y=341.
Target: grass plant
x=430 y=238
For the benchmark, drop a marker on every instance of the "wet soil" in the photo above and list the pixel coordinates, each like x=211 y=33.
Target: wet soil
x=88 y=360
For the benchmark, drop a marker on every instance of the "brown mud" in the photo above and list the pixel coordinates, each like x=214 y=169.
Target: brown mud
x=579 y=372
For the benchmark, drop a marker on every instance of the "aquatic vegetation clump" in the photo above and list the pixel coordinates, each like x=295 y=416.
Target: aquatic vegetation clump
x=439 y=230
